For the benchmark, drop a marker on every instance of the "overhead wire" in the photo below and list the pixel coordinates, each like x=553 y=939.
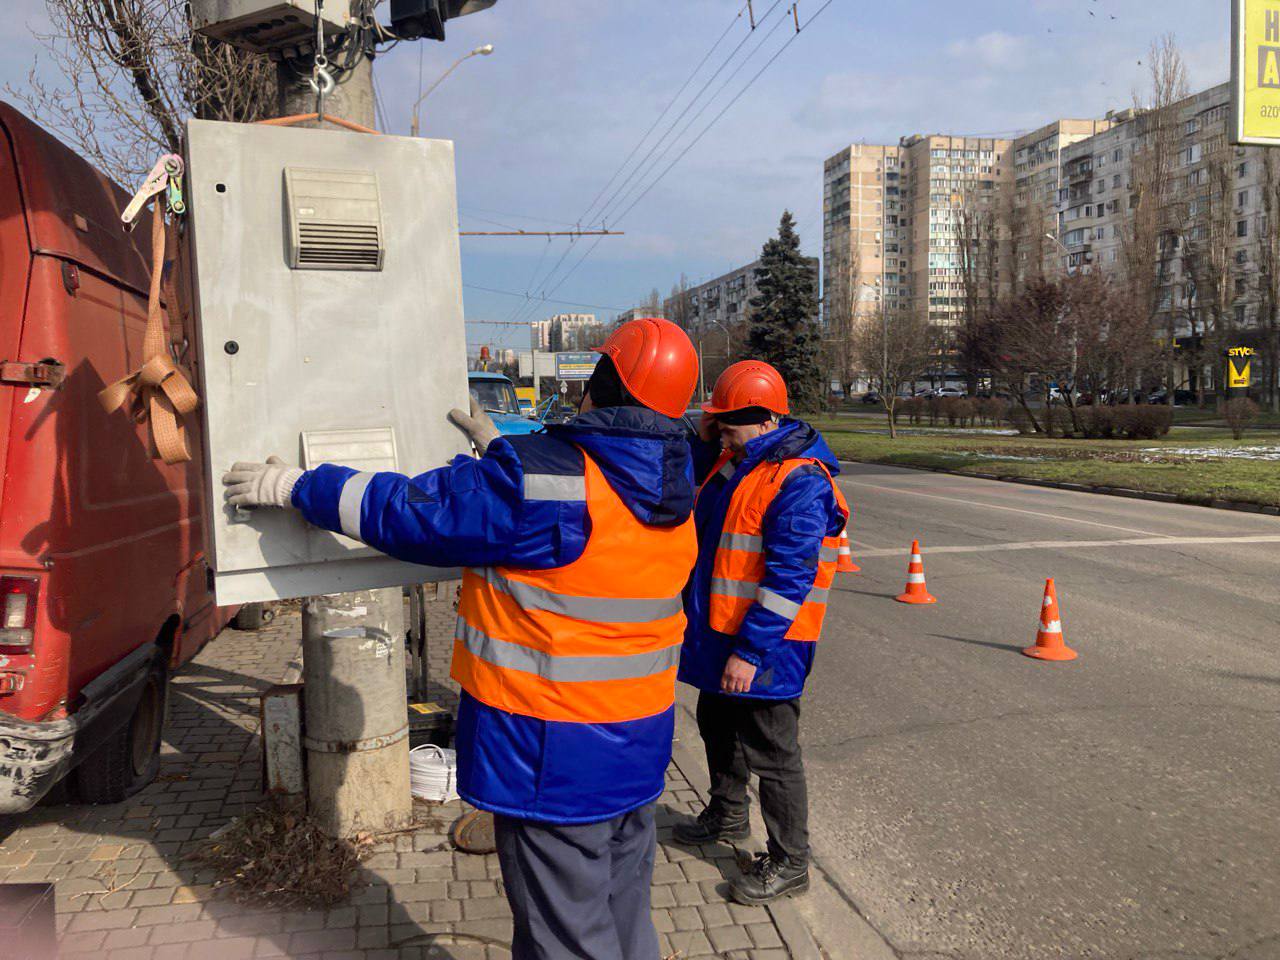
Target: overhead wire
x=547 y=278
x=698 y=138
x=665 y=141
x=568 y=303
x=660 y=156
x=625 y=189
x=515 y=309
x=665 y=110
x=727 y=107
x=522 y=216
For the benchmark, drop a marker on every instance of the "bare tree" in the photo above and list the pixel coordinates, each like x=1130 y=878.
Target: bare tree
x=841 y=299
x=978 y=243
x=1267 y=253
x=133 y=73
x=1207 y=233
x=1020 y=218
x=652 y=304
x=678 y=306
x=1148 y=244
x=895 y=350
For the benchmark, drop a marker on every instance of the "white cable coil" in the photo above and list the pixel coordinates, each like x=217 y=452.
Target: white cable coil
x=433 y=773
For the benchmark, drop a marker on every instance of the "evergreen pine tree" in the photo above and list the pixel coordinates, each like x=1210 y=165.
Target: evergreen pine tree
x=783 y=329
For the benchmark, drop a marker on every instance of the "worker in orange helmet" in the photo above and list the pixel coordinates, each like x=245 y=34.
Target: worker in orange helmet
x=576 y=543
x=769 y=518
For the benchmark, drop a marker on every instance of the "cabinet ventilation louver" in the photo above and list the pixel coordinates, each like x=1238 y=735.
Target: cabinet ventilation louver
x=335 y=219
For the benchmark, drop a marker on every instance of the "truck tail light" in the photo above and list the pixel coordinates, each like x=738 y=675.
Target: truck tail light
x=18 y=610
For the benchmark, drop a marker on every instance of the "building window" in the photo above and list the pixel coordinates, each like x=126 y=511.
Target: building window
x=1242 y=228
x=1242 y=199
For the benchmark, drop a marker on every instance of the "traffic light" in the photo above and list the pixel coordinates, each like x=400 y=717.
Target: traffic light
x=424 y=19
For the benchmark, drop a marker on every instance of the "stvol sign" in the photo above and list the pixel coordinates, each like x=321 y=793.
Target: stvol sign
x=1255 y=72
x=1239 y=367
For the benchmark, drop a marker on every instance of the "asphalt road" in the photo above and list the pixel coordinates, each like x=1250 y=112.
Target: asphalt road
x=969 y=802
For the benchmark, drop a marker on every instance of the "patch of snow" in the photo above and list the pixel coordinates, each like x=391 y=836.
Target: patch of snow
x=1271 y=452
x=990 y=456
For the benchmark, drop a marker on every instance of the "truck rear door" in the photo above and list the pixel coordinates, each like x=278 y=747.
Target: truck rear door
x=15 y=266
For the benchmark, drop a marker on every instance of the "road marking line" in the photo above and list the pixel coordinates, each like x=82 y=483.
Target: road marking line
x=993 y=506
x=864 y=544
x=1161 y=541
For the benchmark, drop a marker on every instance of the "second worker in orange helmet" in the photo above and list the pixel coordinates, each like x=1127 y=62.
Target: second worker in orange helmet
x=769 y=518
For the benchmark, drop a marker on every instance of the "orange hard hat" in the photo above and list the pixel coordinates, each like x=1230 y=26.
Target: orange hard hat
x=749 y=383
x=656 y=362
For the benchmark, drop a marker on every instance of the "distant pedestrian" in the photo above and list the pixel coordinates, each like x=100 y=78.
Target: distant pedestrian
x=769 y=519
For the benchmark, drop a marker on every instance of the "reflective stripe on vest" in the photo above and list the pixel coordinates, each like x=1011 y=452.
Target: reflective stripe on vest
x=595 y=641
x=739 y=566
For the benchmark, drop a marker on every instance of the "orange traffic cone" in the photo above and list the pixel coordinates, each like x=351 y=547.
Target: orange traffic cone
x=915 y=591
x=1049 y=642
x=844 y=562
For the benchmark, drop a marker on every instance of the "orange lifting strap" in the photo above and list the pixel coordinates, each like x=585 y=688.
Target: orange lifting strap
x=159 y=389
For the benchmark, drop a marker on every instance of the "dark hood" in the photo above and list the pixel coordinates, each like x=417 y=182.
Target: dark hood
x=644 y=456
x=793 y=439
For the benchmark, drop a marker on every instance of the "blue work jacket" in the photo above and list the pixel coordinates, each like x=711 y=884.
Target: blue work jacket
x=475 y=513
x=802 y=513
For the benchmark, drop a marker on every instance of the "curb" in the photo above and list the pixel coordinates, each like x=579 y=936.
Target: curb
x=799 y=942
x=1239 y=506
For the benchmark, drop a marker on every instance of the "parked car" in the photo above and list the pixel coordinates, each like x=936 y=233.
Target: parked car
x=1180 y=397
x=104 y=584
x=948 y=393
x=871 y=396
x=497 y=395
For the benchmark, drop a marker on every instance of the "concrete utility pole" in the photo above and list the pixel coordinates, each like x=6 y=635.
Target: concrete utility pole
x=352 y=99
x=357 y=732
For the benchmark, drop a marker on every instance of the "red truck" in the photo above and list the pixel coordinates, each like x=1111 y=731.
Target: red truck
x=103 y=579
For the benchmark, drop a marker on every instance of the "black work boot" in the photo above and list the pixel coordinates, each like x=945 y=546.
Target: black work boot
x=713 y=824
x=768 y=879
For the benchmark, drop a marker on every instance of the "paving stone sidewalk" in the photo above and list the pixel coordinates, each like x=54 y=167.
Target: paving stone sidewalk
x=125 y=890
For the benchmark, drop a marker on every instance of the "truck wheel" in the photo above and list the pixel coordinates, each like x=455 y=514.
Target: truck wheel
x=130 y=758
x=253 y=616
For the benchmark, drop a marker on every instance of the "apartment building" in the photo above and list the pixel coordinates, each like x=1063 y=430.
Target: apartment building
x=894 y=212
x=1212 y=208
x=942 y=176
x=1213 y=187
x=726 y=300
x=572 y=331
x=892 y=215
x=863 y=263
x=1030 y=214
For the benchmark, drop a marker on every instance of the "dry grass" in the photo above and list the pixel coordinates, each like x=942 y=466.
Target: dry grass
x=283 y=858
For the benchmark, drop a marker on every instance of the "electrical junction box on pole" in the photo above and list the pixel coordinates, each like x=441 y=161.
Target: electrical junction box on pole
x=264 y=26
x=328 y=295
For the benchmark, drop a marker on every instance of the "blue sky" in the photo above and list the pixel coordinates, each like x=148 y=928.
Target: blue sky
x=542 y=124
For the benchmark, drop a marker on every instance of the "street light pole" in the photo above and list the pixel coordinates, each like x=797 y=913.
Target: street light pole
x=482 y=51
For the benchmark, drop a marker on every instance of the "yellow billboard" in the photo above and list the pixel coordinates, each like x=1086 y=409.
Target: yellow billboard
x=1255 y=71
x=1239 y=367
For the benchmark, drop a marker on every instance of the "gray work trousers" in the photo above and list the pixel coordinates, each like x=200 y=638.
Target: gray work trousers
x=580 y=892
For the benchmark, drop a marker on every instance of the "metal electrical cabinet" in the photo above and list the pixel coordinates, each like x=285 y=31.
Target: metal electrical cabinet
x=329 y=314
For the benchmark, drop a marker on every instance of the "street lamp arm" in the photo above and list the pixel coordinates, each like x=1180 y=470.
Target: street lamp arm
x=483 y=51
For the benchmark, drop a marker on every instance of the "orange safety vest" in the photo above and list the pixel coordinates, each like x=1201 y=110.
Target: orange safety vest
x=595 y=641
x=739 y=566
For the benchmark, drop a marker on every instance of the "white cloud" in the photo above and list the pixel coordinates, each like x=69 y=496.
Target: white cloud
x=996 y=50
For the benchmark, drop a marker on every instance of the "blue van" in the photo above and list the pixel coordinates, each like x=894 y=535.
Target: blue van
x=497 y=395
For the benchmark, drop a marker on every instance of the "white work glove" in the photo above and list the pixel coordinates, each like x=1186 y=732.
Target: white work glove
x=476 y=425
x=267 y=484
